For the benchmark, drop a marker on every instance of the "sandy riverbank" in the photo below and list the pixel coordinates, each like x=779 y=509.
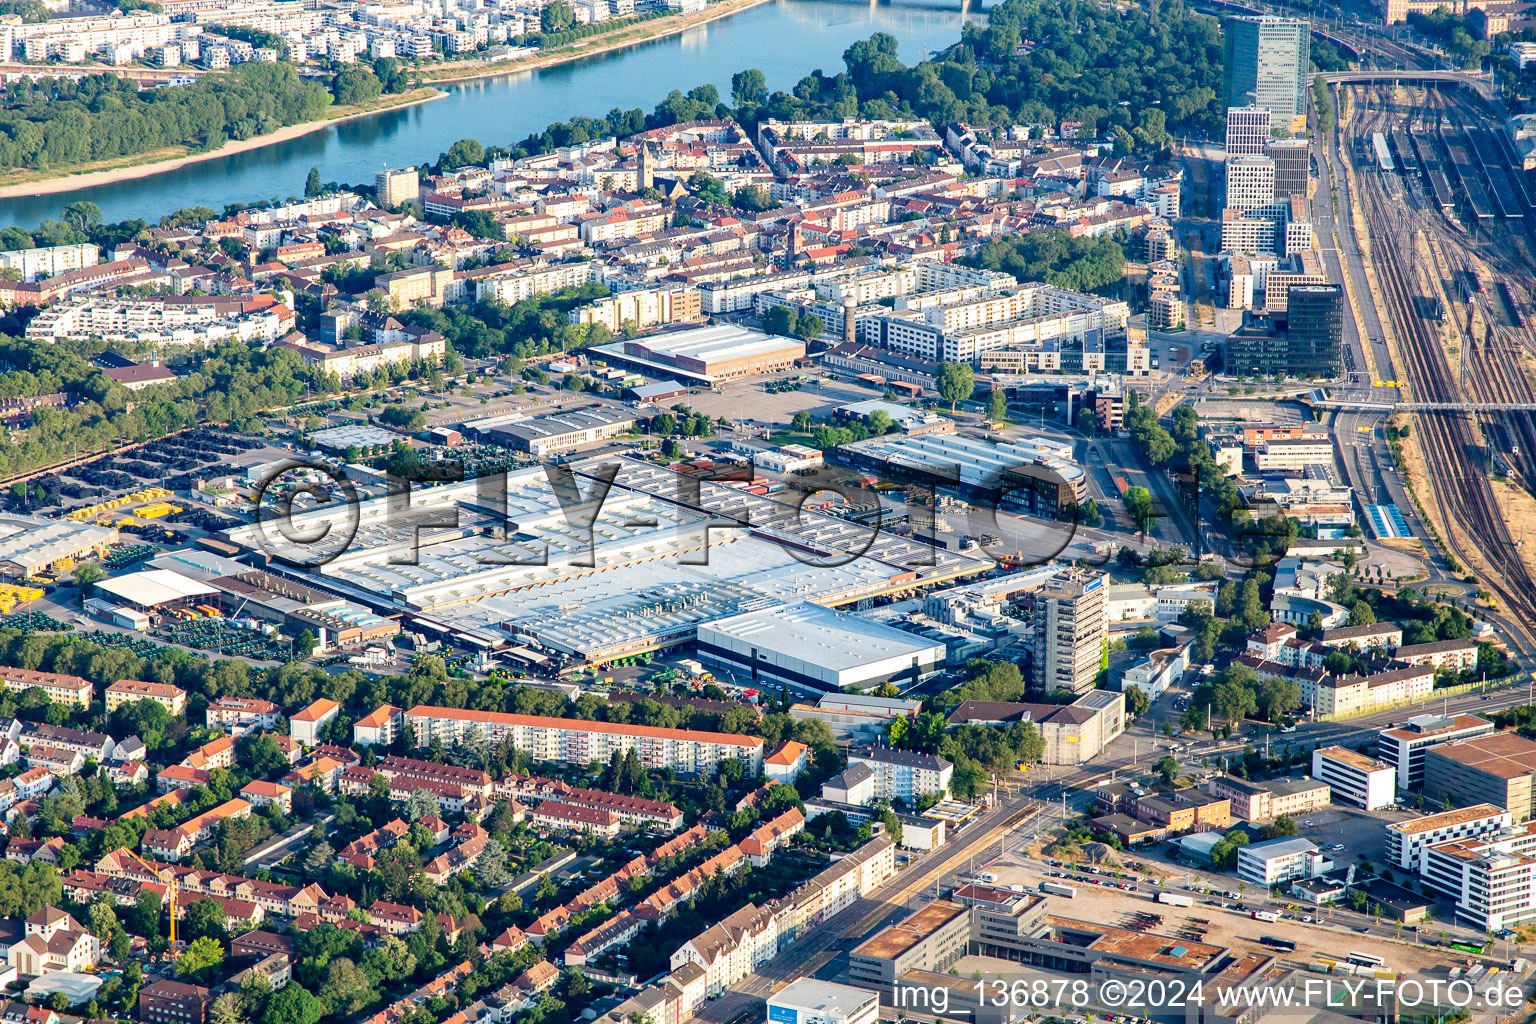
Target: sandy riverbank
x=125 y=170
x=145 y=165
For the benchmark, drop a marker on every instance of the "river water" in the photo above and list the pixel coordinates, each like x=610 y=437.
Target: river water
x=786 y=39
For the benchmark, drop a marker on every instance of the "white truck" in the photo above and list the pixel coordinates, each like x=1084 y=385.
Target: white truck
x=1174 y=900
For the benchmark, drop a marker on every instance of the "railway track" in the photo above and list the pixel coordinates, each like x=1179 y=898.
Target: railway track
x=1448 y=440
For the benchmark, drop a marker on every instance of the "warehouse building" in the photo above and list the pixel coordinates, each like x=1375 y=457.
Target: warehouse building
x=550 y=435
x=30 y=545
x=817 y=650
x=1036 y=476
x=651 y=570
x=157 y=592
x=706 y=355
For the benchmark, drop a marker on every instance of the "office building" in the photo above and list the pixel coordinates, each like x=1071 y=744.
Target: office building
x=1267 y=61
x=573 y=741
x=1403 y=748
x=1495 y=769
x=1247 y=131
x=392 y=188
x=1068 y=631
x=1407 y=840
x=1250 y=183
x=1293 y=164
x=808 y=1001
x=1265 y=801
x=1493 y=889
x=1281 y=860
x=1355 y=778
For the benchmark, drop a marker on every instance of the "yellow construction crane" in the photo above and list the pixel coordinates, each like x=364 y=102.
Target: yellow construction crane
x=165 y=876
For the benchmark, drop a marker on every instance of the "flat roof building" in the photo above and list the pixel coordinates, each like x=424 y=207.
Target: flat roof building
x=1355 y=778
x=1407 y=840
x=1404 y=747
x=809 y=1001
x=1495 y=769
x=706 y=354
x=817 y=650
x=1280 y=860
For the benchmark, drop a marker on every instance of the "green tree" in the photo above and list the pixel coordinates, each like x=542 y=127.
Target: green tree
x=557 y=16
x=87 y=576
x=82 y=215
x=292 y=1005
x=749 y=86
x=1167 y=767
x=312 y=185
x=200 y=959
x=997 y=405
x=956 y=382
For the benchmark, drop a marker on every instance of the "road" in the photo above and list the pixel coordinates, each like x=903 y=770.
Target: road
x=845 y=931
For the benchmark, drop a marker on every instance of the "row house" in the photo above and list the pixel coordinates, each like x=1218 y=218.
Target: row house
x=88 y=744
x=57 y=760
x=630 y=810
x=555 y=816
x=361 y=852
x=768 y=839
x=273 y=897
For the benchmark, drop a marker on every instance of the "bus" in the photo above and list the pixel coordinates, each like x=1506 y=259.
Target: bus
x=1366 y=960
x=1466 y=947
x=1282 y=944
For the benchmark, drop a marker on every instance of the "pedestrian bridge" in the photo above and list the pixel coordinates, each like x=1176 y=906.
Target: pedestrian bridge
x=1368 y=76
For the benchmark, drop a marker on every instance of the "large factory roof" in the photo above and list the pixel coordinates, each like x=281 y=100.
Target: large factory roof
x=155 y=586
x=34 y=541
x=831 y=639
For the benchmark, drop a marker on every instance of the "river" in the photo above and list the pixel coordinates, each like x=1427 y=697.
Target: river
x=786 y=39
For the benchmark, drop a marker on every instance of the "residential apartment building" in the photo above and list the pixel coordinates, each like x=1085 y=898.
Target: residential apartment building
x=580 y=742
x=1336 y=696
x=173 y=1002
x=1069 y=631
x=238 y=714
x=128 y=691
x=379 y=727
x=1403 y=747
x=59 y=688
x=1450 y=655
x=1376 y=636
x=903 y=773
x=1355 y=778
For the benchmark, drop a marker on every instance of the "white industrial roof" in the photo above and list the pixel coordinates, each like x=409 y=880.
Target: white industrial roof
x=155 y=586
x=362 y=434
x=834 y=640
